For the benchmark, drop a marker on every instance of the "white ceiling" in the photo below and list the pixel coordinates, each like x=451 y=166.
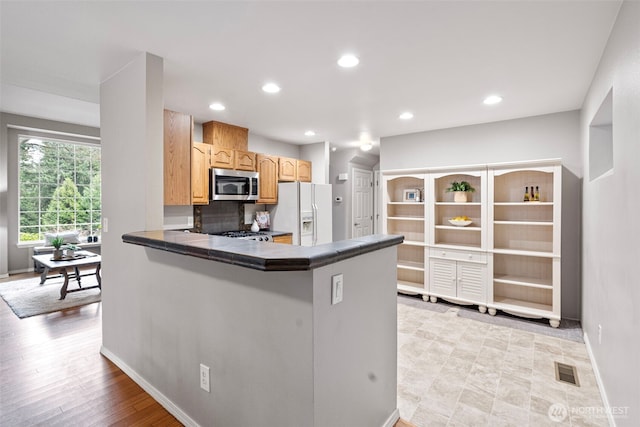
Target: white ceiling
x=438 y=59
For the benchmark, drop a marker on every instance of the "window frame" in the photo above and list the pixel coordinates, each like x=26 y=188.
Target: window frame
x=59 y=138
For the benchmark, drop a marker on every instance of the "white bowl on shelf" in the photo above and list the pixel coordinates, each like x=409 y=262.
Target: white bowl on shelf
x=459 y=223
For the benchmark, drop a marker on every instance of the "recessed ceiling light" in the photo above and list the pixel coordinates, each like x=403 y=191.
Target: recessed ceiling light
x=406 y=115
x=217 y=106
x=348 y=61
x=334 y=148
x=492 y=99
x=271 y=88
x=310 y=133
x=366 y=146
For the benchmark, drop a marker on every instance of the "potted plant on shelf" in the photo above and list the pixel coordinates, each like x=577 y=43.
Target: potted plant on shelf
x=460 y=190
x=57 y=243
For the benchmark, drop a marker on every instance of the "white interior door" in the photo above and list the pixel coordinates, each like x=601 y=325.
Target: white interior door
x=362 y=203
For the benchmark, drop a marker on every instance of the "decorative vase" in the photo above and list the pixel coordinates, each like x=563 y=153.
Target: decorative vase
x=460 y=196
x=255 y=227
x=57 y=253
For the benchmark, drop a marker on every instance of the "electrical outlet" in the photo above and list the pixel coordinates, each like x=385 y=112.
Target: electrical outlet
x=204 y=378
x=336 y=288
x=599 y=334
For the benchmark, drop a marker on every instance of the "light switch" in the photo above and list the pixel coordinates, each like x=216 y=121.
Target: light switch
x=336 y=288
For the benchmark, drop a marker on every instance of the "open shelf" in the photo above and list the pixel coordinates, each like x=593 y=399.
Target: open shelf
x=453 y=227
x=522 y=281
x=408 y=265
x=519 y=305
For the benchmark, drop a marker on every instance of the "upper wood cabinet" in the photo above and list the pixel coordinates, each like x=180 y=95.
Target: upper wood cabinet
x=224 y=135
x=178 y=131
x=303 y=171
x=244 y=160
x=200 y=164
x=287 y=170
x=222 y=157
x=267 y=167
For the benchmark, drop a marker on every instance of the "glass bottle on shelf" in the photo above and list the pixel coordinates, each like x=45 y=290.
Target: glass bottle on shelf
x=532 y=197
x=536 y=196
x=526 y=194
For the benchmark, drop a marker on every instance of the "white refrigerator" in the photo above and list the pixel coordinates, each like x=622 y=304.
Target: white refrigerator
x=304 y=209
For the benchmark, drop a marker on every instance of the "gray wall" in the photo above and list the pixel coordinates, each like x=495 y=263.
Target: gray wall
x=611 y=230
x=532 y=138
x=343 y=161
x=12 y=258
x=318 y=155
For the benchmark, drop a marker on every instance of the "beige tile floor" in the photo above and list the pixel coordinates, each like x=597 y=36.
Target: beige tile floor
x=454 y=371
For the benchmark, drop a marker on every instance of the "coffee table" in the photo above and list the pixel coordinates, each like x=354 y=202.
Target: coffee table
x=69 y=268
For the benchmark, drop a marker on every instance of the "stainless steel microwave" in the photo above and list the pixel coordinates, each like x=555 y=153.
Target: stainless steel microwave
x=226 y=184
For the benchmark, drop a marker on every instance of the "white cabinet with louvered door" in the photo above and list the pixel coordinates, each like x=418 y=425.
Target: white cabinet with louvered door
x=458 y=276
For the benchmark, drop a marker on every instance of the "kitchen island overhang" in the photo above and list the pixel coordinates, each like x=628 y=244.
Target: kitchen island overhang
x=260 y=316
x=263 y=256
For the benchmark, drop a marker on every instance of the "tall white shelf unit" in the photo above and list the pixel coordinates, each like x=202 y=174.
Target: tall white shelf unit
x=524 y=257
x=457 y=255
x=407 y=218
x=507 y=259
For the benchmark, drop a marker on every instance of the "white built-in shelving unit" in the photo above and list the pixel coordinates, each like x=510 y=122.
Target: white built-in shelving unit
x=507 y=259
x=457 y=264
x=525 y=256
x=406 y=216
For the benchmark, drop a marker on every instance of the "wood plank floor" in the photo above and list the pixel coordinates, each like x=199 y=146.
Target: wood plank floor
x=52 y=374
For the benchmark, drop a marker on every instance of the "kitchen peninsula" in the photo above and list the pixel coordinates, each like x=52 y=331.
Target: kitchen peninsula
x=260 y=317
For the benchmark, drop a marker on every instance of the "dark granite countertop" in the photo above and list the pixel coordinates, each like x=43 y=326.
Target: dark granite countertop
x=259 y=255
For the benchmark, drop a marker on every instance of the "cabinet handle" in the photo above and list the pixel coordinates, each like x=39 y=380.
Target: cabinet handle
x=470 y=256
x=444 y=254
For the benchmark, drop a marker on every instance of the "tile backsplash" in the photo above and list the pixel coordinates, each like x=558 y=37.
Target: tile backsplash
x=219 y=216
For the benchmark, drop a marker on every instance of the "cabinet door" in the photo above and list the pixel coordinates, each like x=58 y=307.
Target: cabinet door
x=303 y=171
x=287 y=169
x=225 y=135
x=200 y=164
x=286 y=239
x=267 y=167
x=472 y=281
x=222 y=157
x=244 y=160
x=442 y=280
x=178 y=130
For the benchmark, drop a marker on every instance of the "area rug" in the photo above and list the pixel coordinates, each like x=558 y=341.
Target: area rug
x=29 y=298
x=568 y=330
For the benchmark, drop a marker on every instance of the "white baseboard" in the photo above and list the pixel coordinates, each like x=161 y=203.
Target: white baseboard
x=4 y=276
x=167 y=404
x=22 y=270
x=596 y=371
x=393 y=418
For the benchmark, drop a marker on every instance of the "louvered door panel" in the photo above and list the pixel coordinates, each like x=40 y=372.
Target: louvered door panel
x=443 y=277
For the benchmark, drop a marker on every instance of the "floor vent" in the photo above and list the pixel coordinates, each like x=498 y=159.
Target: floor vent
x=567 y=374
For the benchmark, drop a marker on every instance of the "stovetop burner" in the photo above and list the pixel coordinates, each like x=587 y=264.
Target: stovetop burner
x=246 y=235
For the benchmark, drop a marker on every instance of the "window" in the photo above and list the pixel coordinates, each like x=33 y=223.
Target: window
x=59 y=187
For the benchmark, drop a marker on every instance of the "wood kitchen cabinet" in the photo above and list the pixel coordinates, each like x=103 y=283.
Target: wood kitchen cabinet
x=267 y=167
x=178 y=132
x=222 y=157
x=223 y=135
x=200 y=164
x=287 y=169
x=285 y=238
x=244 y=160
x=303 y=170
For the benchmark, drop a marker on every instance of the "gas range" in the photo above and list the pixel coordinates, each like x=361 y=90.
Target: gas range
x=246 y=235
